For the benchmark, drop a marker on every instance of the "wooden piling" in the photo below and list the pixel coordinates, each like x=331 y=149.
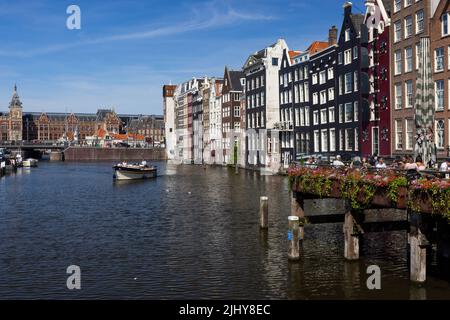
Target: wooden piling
x=418 y=259
x=297 y=210
x=264 y=212
x=418 y=249
x=293 y=238
x=351 y=238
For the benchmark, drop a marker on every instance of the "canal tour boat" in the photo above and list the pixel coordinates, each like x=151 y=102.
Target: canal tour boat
x=125 y=171
x=29 y=163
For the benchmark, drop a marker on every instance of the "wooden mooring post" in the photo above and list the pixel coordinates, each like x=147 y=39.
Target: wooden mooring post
x=293 y=238
x=418 y=248
x=352 y=232
x=264 y=212
x=298 y=210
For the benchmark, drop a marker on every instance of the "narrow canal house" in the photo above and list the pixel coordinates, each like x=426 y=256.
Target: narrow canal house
x=376 y=105
x=169 y=120
x=295 y=106
x=287 y=107
x=231 y=111
x=440 y=54
x=410 y=21
x=182 y=100
x=197 y=124
x=262 y=107
x=215 y=123
x=350 y=81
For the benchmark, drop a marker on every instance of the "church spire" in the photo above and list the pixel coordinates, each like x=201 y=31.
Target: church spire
x=15 y=100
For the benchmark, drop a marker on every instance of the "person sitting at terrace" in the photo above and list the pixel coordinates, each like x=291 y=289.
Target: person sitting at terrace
x=381 y=164
x=338 y=162
x=420 y=165
x=365 y=164
x=410 y=164
x=444 y=166
x=356 y=163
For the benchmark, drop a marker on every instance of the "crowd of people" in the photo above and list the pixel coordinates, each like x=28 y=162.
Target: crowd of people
x=403 y=163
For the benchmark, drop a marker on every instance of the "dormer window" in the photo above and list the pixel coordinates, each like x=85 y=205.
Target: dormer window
x=347 y=35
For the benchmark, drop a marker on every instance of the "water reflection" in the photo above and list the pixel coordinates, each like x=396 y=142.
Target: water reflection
x=189 y=234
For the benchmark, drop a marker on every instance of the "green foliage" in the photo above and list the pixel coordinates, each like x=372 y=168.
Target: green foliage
x=393 y=188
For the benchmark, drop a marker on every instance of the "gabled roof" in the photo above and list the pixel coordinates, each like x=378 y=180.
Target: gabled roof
x=235 y=80
x=387 y=5
x=357 y=20
x=293 y=54
x=317 y=46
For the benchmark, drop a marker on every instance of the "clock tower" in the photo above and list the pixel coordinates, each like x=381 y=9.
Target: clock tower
x=15 y=117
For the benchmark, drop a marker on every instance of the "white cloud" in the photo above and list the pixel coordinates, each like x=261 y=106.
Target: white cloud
x=217 y=17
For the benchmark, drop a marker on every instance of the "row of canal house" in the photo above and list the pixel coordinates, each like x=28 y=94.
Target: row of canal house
x=351 y=95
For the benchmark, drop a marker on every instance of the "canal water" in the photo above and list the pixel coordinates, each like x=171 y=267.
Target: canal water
x=190 y=234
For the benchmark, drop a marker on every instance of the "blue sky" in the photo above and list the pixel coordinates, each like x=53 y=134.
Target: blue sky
x=126 y=50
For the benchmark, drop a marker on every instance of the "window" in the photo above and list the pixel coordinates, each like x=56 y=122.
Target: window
x=440 y=134
x=348 y=139
x=398 y=135
x=397 y=31
x=281 y=79
x=347 y=57
x=340 y=58
x=418 y=48
x=347 y=35
x=348 y=82
x=439 y=88
x=419 y=21
x=398 y=62
x=323 y=97
x=306 y=92
x=408 y=3
x=324 y=140
x=439 y=59
x=397 y=5
x=408 y=27
x=331 y=94
x=307 y=116
x=408 y=59
x=356 y=111
x=409 y=134
x=355 y=81
x=316 y=117
x=263 y=98
x=356 y=136
x=445 y=28
x=314 y=78
x=340 y=85
x=348 y=112
x=330 y=73
x=275 y=61
x=341 y=139
x=301 y=93
x=316 y=141
x=237 y=111
x=323 y=116
x=331 y=115
x=409 y=94
x=341 y=113
x=322 y=77
x=315 y=98
x=355 y=52
x=332 y=140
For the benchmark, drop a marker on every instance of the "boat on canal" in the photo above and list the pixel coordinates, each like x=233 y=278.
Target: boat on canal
x=125 y=171
x=30 y=163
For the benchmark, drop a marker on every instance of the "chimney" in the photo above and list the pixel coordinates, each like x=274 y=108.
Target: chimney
x=332 y=36
x=348 y=8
